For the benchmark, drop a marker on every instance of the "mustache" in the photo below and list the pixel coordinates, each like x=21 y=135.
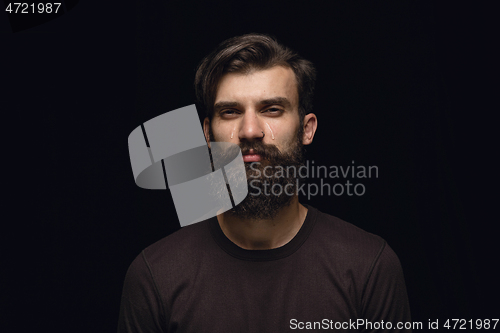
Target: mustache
x=260 y=148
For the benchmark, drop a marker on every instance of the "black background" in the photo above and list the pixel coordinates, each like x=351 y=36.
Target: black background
x=407 y=86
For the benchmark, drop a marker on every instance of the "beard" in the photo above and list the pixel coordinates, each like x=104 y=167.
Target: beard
x=272 y=182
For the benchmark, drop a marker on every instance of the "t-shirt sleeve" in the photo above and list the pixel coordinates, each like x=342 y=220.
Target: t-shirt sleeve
x=384 y=297
x=141 y=308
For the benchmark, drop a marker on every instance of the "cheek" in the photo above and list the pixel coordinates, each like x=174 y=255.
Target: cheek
x=223 y=133
x=285 y=144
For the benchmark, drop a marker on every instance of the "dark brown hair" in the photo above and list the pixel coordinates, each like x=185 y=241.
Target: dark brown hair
x=242 y=54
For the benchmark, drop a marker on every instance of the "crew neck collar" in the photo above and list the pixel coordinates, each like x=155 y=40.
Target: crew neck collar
x=265 y=255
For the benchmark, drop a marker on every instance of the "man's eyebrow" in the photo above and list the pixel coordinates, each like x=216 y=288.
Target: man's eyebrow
x=225 y=104
x=277 y=100
x=268 y=101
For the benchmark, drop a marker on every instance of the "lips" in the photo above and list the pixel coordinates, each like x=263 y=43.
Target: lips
x=251 y=156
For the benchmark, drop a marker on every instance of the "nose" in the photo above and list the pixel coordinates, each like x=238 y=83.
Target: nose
x=251 y=127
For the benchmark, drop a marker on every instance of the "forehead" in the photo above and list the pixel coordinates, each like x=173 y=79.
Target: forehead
x=258 y=85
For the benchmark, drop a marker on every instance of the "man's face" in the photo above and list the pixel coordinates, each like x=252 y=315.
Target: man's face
x=246 y=106
x=264 y=101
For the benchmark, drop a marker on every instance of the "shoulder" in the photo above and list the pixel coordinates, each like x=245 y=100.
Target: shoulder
x=178 y=253
x=348 y=244
x=156 y=272
x=186 y=243
x=344 y=235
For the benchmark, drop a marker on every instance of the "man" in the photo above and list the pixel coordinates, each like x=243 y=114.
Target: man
x=270 y=264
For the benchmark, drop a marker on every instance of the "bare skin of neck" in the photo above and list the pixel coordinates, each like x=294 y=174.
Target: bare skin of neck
x=264 y=234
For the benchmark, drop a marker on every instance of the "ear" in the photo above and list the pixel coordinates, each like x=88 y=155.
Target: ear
x=206 y=130
x=310 y=126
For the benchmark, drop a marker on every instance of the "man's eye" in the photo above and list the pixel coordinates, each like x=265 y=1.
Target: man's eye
x=273 y=110
x=228 y=112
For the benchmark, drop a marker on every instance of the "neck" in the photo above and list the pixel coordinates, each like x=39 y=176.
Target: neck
x=255 y=234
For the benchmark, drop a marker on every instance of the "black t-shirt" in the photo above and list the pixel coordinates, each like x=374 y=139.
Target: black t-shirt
x=331 y=276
